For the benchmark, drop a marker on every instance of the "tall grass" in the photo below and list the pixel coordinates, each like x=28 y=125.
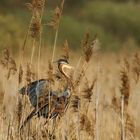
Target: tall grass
x=90 y=86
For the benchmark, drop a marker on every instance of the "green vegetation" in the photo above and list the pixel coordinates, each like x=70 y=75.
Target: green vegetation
x=121 y=20
x=116 y=24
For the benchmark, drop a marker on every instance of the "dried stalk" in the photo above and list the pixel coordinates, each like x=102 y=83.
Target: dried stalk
x=122 y=119
x=55 y=23
x=98 y=86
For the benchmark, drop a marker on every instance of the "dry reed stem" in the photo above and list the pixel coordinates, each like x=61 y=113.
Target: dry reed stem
x=125 y=94
x=97 y=97
x=55 y=23
x=33 y=51
x=122 y=119
x=8 y=131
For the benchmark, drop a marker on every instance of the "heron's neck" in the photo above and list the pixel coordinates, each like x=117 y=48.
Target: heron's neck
x=61 y=69
x=67 y=78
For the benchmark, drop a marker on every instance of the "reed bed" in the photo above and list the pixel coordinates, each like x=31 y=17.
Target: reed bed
x=104 y=101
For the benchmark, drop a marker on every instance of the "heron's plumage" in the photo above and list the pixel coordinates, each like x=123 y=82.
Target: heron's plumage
x=46 y=102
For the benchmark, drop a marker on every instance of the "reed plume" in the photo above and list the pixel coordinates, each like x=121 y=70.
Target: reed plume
x=129 y=127
x=75 y=103
x=125 y=84
x=20 y=75
x=55 y=22
x=65 y=54
x=5 y=58
x=8 y=63
x=86 y=125
x=115 y=104
x=88 y=46
x=50 y=73
x=30 y=75
x=88 y=90
x=136 y=67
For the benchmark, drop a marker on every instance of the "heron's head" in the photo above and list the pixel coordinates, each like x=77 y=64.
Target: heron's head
x=64 y=65
x=62 y=61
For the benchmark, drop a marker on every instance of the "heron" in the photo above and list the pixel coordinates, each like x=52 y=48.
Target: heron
x=47 y=103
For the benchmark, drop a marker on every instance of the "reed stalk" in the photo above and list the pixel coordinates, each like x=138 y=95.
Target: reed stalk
x=122 y=119
x=55 y=23
x=55 y=42
x=98 y=86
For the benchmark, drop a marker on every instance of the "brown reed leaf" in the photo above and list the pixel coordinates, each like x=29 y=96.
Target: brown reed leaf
x=115 y=103
x=54 y=23
x=11 y=67
x=5 y=58
x=56 y=19
x=75 y=103
x=129 y=127
x=35 y=28
x=88 y=90
x=50 y=72
x=20 y=75
x=30 y=75
x=85 y=45
x=136 y=67
x=85 y=124
x=88 y=46
x=126 y=65
x=8 y=62
x=44 y=133
x=12 y=64
x=125 y=85
x=79 y=78
x=38 y=5
x=19 y=111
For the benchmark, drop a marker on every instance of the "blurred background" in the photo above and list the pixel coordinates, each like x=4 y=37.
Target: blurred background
x=116 y=22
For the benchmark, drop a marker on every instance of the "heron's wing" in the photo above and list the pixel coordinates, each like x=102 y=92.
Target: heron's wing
x=32 y=87
x=28 y=118
x=34 y=90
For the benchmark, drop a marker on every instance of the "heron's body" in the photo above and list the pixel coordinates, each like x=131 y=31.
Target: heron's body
x=34 y=90
x=39 y=95
x=46 y=102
